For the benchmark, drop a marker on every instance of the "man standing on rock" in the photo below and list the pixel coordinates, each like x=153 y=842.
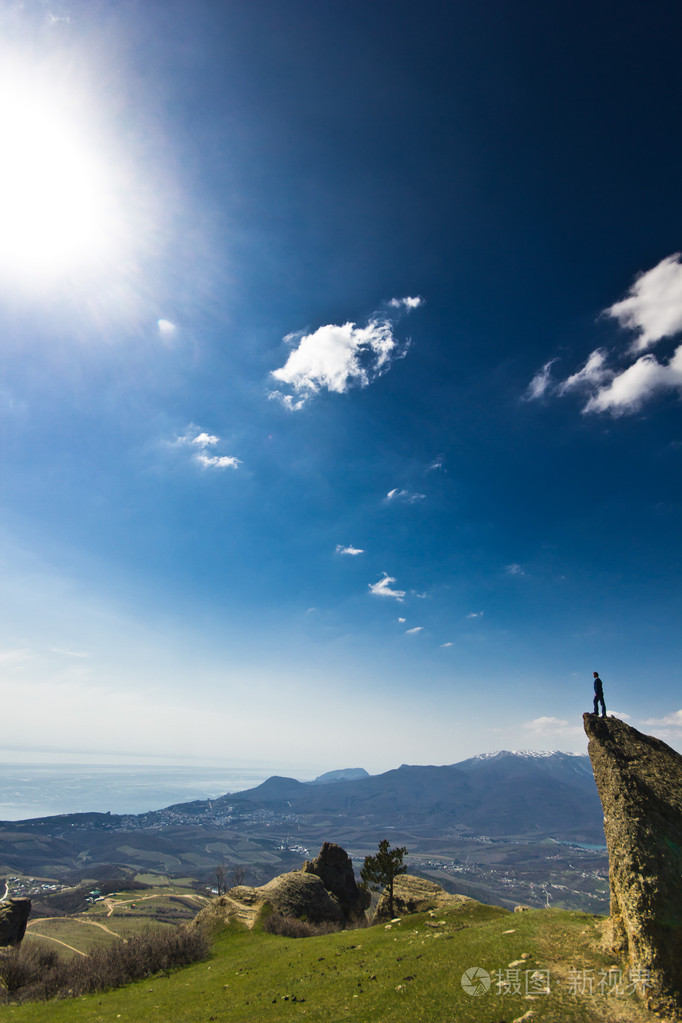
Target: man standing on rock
x=598 y=695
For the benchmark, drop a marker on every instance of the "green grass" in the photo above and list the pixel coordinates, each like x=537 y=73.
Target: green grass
x=407 y=971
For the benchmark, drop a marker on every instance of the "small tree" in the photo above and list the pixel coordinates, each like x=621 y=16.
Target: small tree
x=237 y=876
x=378 y=872
x=221 y=878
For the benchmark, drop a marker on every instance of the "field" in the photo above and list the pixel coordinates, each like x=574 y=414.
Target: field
x=411 y=970
x=115 y=917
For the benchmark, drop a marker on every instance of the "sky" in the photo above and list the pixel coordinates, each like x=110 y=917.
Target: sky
x=341 y=378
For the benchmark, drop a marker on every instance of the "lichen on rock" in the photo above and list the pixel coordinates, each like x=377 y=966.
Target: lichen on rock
x=413 y=894
x=639 y=780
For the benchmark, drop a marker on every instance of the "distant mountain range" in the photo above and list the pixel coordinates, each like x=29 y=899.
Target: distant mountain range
x=520 y=794
x=487 y=826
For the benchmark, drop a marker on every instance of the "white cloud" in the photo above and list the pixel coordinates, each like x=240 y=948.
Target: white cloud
x=218 y=461
x=407 y=303
x=653 y=306
x=337 y=357
x=287 y=400
x=202 y=440
x=205 y=440
x=383 y=589
x=167 y=330
x=406 y=496
x=436 y=464
x=445 y=645
x=514 y=569
x=475 y=614
x=414 y=630
x=69 y=653
x=593 y=373
x=551 y=727
x=631 y=388
x=674 y=720
x=402 y=621
x=541 y=382
x=352 y=551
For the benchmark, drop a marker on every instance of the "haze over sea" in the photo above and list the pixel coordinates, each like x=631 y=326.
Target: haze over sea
x=43 y=790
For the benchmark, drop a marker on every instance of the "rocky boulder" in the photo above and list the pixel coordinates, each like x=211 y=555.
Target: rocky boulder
x=14 y=914
x=335 y=869
x=639 y=780
x=415 y=895
x=293 y=894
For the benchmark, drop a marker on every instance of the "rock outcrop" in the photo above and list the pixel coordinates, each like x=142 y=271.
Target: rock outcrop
x=294 y=894
x=334 y=867
x=639 y=780
x=14 y=914
x=415 y=895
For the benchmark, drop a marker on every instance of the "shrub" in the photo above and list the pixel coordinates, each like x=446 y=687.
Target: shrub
x=294 y=927
x=31 y=973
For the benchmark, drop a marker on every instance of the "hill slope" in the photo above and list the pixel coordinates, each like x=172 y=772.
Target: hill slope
x=411 y=970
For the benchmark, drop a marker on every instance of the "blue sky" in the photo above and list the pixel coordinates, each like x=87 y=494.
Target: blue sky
x=341 y=375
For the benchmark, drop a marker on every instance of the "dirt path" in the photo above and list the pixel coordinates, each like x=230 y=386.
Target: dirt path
x=96 y=923
x=48 y=937
x=111 y=904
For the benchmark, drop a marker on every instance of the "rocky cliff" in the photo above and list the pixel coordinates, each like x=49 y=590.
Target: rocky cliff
x=14 y=914
x=639 y=780
x=335 y=869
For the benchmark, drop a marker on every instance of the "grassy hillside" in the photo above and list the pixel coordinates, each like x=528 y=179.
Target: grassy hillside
x=405 y=971
x=114 y=917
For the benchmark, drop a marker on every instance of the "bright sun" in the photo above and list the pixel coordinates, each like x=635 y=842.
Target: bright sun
x=58 y=200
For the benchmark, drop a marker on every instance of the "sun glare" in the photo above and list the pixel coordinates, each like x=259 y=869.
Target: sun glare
x=58 y=193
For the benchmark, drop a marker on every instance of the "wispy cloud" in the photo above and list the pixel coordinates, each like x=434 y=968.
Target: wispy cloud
x=541 y=382
x=551 y=726
x=352 y=551
x=613 y=382
x=338 y=357
x=514 y=569
x=383 y=588
x=69 y=653
x=634 y=386
x=13 y=658
x=668 y=727
x=202 y=442
x=406 y=496
x=653 y=306
x=592 y=374
x=437 y=464
x=444 y=645
x=406 y=303
x=218 y=461
x=413 y=631
x=475 y=614
x=167 y=329
x=674 y=720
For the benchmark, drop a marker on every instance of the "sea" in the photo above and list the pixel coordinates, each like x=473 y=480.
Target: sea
x=43 y=790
